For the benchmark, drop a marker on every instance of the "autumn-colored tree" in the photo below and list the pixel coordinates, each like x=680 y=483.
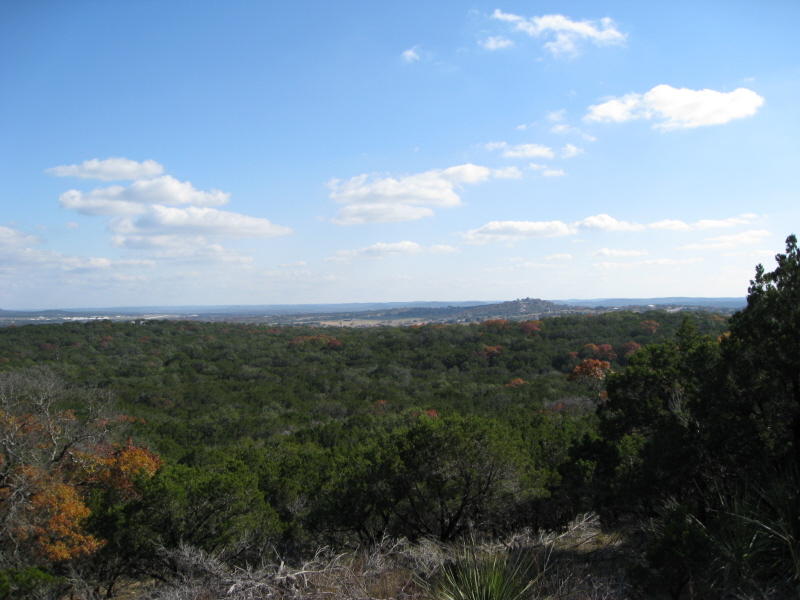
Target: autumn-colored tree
x=592 y=372
x=630 y=348
x=528 y=327
x=605 y=352
x=649 y=327
x=51 y=457
x=516 y=382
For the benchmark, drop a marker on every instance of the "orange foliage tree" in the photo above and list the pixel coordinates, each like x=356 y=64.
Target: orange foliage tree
x=592 y=372
x=50 y=460
x=649 y=327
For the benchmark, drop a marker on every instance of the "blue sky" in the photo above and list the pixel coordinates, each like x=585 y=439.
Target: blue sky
x=239 y=152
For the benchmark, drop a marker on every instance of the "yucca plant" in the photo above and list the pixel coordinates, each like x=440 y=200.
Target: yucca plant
x=494 y=576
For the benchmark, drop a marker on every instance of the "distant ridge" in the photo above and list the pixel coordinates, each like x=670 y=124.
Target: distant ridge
x=374 y=313
x=666 y=301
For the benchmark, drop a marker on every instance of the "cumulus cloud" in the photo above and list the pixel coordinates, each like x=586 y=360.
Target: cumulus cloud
x=161 y=220
x=370 y=199
x=496 y=43
x=559 y=257
x=110 y=169
x=508 y=231
x=570 y=150
x=613 y=252
x=146 y=220
x=727 y=242
x=410 y=55
x=605 y=222
x=568 y=34
x=682 y=108
x=132 y=200
x=553 y=173
x=383 y=250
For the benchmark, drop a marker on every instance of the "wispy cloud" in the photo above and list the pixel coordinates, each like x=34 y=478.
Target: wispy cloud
x=570 y=150
x=677 y=225
x=384 y=250
x=655 y=262
x=509 y=231
x=605 y=222
x=110 y=169
x=410 y=55
x=682 y=108
x=198 y=220
x=522 y=150
x=613 y=252
x=728 y=242
x=496 y=43
x=568 y=34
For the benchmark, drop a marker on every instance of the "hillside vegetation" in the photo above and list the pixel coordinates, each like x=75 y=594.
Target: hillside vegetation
x=190 y=459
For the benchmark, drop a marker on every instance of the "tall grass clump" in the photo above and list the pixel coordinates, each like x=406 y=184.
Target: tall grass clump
x=491 y=576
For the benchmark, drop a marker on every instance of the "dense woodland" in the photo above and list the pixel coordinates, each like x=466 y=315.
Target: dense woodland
x=121 y=443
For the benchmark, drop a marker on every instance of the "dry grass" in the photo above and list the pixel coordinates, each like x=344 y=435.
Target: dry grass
x=579 y=563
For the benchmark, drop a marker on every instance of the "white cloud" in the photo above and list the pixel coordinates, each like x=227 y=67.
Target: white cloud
x=11 y=238
x=612 y=252
x=160 y=220
x=553 y=173
x=110 y=169
x=570 y=150
x=678 y=108
x=676 y=225
x=361 y=214
x=386 y=199
x=410 y=55
x=87 y=205
x=507 y=173
x=119 y=200
x=728 y=242
x=656 y=262
x=607 y=223
x=71 y=225
x=529 y=151
x=559 y=257
x=16 y=254
x=568 y=33
x=672 y=224
x=383 y=250
x=506 y=231
x=496 y=43
x=180 y=248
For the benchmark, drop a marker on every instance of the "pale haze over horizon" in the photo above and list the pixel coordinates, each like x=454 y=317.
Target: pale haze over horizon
x=233 y=153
